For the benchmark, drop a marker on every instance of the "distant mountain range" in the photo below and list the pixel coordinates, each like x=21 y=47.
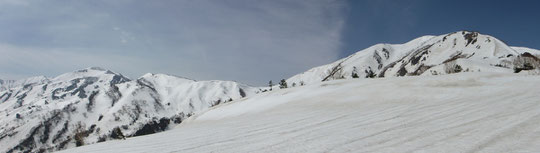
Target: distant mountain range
x=41 y=114
x=94 y=105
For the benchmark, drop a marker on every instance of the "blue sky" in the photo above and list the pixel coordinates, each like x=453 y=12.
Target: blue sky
x=516 y=22
x=250 y=41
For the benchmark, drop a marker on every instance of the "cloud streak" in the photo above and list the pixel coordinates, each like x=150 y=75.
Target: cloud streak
x=242 y=40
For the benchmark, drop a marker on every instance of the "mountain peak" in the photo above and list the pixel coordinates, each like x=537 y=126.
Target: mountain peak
x=461 y=51
x=94 y=69
x=96 y=72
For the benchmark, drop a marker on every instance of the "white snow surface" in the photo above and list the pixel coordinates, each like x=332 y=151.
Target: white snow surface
x=464 y=112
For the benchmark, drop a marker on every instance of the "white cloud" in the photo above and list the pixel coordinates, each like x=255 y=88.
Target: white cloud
x=247 y=41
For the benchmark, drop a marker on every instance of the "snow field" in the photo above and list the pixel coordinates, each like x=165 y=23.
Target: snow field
x=465 y=112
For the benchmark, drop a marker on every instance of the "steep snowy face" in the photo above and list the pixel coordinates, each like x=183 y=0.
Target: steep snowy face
x=39 y=113
x=429 y=55
x=94 y=105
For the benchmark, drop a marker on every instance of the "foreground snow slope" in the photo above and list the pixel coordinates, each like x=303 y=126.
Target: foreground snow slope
x=465 y=112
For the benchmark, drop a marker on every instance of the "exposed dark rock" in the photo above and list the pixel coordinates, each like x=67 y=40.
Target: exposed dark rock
x=415 y=59
x=73 y=85
x=386 y=53
x=421 y=69
x=452 y=67
x=242 y=93
x=529 y=55
x=5 y=97
x=62 y=145
x=27 y=87
x=116 y=133
x=153 y=127
x=60 y=133
x=177 y=119
x=456 y=56
x=370 y=73
x=216 y=103
x=383 y=71
x=144 y=83
x=471 y=37
x=91 y=100
x=526 y=66
x=56 y=91
x=20 y=99
x=114 y=94
x=79 y=135
x=335 y=71
x=92 y=128
x=402 y=71
x=378 y=59
x=102 y=139
x=80 y=90
x=118 y=79
x=44 y=87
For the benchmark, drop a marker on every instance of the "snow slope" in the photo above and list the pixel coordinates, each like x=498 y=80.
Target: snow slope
x=461 y=51
x=95 y=105
x=464 y=112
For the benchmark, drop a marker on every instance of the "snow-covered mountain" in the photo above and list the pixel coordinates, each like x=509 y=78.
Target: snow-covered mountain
x=461 y=51
x=94 y=105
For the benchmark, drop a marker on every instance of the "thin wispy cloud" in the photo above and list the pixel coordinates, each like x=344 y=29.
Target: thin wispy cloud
x=246 y=41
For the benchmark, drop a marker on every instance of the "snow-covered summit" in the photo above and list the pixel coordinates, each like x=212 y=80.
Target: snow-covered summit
x=90 y=72
x=461 y=51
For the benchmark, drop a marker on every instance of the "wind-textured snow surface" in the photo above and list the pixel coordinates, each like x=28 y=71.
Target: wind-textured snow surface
x=95 y=105
x=464 y=112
